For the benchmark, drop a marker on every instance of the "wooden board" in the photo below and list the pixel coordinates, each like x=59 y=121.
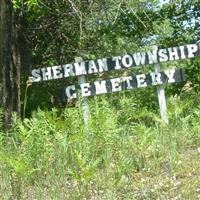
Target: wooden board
x=124 y=83
x=116 y=63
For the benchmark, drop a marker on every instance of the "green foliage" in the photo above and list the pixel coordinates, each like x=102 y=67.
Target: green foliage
x=59 y=31
x=1 y=119
x=51 y=155
x=58 y=153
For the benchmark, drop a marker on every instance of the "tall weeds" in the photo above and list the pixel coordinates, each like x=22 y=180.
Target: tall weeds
x=52 y=156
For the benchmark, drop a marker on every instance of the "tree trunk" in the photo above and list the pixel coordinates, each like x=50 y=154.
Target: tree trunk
x=9 y=64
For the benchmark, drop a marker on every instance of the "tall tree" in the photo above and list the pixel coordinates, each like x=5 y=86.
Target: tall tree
x=9 y=63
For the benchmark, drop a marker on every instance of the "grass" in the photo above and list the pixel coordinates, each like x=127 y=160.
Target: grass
x=123 y=154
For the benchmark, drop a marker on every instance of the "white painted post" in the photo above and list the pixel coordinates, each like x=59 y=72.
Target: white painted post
x=161 y=99
x=85 y=105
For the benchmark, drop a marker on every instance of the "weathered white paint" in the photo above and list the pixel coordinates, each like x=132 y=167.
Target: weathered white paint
x=161 y=98
x=85 y=105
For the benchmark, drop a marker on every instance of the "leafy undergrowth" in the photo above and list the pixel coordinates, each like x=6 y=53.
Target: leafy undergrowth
x=183 y=183
x=121 y=154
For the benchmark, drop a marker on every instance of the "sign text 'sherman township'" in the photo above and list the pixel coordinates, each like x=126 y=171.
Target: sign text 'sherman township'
x=124 y=83
x=116 y=63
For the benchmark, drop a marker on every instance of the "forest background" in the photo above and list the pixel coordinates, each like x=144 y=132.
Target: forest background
x=126 y=151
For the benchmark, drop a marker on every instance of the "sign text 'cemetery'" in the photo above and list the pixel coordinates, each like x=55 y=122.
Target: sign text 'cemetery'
x=124 y=83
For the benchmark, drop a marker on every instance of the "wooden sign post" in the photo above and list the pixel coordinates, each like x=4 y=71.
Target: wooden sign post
x=85 y=105
x=161 y=94
x=161 y=98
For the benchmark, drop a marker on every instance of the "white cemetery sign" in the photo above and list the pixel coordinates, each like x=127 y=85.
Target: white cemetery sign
x=116 y=63
x=127 y=61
